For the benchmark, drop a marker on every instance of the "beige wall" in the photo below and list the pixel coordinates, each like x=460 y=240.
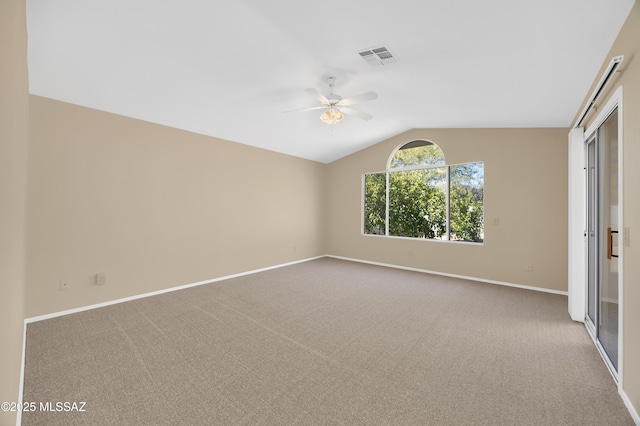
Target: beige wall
x=525 y=189
x=628 y=44
x=154 y=207
x=13 y=189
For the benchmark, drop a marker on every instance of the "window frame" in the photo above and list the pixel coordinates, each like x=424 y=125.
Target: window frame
x=390 y=170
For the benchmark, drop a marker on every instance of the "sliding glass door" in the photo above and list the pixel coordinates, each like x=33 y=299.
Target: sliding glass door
x=602 y=236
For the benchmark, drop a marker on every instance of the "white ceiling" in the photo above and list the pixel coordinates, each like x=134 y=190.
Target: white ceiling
x=230 y=68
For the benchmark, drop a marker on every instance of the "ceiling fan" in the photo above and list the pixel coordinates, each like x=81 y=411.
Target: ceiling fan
x=335 y=107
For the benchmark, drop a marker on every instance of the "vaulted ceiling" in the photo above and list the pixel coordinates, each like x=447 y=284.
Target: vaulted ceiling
x=231 y=69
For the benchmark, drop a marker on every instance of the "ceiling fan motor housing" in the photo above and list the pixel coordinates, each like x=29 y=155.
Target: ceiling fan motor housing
x=333 y=98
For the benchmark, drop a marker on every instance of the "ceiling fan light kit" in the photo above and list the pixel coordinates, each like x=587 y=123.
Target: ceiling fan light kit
x=331 y=116
x=335 y=106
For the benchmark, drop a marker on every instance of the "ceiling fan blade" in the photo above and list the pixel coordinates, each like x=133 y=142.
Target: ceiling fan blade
x=356 y=113
x=306 y=109
x=319 y=96
x=369 y=96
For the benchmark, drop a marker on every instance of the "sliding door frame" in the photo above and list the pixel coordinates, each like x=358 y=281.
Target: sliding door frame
x=615 y=101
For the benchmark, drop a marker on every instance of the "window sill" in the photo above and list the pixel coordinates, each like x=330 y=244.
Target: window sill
x=479 y=243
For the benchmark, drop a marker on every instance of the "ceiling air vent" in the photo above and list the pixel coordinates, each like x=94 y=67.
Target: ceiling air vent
x=378 y=56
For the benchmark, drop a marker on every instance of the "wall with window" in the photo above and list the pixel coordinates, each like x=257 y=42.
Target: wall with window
x=525 y=207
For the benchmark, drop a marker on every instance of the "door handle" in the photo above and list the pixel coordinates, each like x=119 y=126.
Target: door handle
x=610 y=243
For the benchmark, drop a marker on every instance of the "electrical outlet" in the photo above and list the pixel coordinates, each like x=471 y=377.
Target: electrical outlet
x=101 y=279
x=65 y=285
x=528 y=267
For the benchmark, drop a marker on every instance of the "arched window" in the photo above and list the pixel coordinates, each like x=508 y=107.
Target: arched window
x=420 y=196
x=416 y=154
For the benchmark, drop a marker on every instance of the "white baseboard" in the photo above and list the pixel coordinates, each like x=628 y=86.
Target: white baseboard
x=254 y=271
x=630 y=407
x=21 y=386
x=166 y=290
x=426 y=271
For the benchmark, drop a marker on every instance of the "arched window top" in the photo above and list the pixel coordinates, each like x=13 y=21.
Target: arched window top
x=417 y=153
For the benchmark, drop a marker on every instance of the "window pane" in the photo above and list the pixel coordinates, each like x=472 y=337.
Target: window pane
x=466 y=207
x=417 y=203
x=375 y=194
x=417 y=154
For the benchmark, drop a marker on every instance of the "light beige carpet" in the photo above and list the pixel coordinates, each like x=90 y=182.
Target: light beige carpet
x=319 y=343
